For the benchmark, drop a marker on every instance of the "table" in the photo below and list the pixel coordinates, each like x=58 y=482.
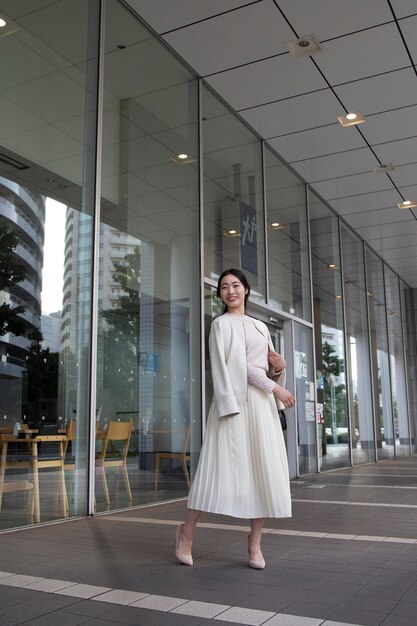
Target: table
x=33 y=462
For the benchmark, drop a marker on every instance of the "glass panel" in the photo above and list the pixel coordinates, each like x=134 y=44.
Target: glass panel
x=149 y=322
x=359 y=377
x=47 y=108
x=328 y=324
x=379 y=356
x=233 y=200
x=305 y=405
x=397 y=365
x=409 y=330
x=289 y=281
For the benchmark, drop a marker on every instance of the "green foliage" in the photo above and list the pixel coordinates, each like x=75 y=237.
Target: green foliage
x=121 y=332
x=332 y=367
x=40 y=379
x=11 y=274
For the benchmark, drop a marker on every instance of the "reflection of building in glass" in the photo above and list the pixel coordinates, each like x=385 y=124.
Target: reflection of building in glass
x=23 y=213
x=114 y=246
x=51 y=331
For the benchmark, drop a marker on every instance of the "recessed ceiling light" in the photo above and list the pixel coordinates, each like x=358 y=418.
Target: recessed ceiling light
x=182 y=158
x=232 y=233
x=277 y=226
x=330 y=266
x=338 y=297
x=407 y=204
x=305 y=46
x=2 y=22
x=351 y=119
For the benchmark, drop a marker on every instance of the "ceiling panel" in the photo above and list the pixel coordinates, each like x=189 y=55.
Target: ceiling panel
x=266 y=81
x=409 y=28
x=317 y=142
x=18 y=9
x=366 y=202
x=362 y=54
x=222 y=42
x=398 y=152
x=410 y=252
x=404 y=7
x=293 y=114
x=392 y=215
x=52 y=98
x=389 y=126
x=410 y=193
x=353 y=185
x=18 y=119
x=186 y=11
x=332 y=18
x=336 y=165
x=71 y=41
x=135 y=62
x=387 y=232
x=27 y=65
x=380 y=93
x=405 y=174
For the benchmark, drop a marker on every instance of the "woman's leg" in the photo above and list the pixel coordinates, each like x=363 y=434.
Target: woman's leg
x=187 y=532
x=254 y=540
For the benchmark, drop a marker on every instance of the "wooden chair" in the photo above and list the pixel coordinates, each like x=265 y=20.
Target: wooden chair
x=112 y=455
x=50 y=459
x=183 y=456
x=71 y=435
x=15 y=485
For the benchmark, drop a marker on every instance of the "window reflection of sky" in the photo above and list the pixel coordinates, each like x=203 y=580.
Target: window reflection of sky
x=53 y=262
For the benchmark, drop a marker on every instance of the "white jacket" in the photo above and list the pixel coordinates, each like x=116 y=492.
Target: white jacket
x=228 y=363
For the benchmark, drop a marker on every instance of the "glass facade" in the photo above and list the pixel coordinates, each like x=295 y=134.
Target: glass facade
x=288 y=269
x=397 y=364
x=329 y=335
x=48 y=108
x=380 y=358
x=357 y=348
x=148 y=369
x=233 y=198
x=126 y=188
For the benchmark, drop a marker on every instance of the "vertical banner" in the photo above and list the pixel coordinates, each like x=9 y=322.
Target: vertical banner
x=248 y=238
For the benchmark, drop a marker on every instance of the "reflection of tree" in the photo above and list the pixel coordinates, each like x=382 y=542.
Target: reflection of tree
x=121 y=334
x=11 y=274
x=334 y=394
x=40 y=379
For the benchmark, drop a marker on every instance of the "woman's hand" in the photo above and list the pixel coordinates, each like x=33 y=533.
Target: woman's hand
x=284 y=396
x=276 y=360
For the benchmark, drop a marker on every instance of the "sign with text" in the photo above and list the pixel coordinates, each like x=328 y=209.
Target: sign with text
x=248 y=238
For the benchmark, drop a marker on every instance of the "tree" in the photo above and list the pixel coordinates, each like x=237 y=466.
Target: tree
x=121 y=332
x=334 y=394
x=11 y=274
x=40 y=379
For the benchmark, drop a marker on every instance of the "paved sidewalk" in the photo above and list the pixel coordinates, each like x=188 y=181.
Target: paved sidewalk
x=347 y=556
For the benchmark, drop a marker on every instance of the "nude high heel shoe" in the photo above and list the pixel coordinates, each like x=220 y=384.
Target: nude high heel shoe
x=186 y=559
x=260 y=564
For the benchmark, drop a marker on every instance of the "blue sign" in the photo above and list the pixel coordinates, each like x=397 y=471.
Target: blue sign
x=151 y=364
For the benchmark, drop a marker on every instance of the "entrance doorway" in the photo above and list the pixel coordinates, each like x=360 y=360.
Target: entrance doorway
x=281 y=335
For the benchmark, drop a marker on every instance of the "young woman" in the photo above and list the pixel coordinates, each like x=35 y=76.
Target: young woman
x=243 y=469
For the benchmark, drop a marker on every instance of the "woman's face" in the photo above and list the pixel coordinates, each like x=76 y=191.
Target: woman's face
x=232 y=292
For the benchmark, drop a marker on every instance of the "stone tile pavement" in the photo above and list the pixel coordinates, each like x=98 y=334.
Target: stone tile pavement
x=348 y=556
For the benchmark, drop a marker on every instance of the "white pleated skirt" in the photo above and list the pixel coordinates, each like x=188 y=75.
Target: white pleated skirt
x=243 y=467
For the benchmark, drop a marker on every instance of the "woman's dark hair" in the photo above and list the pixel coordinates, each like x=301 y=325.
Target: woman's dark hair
x=240 y=276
